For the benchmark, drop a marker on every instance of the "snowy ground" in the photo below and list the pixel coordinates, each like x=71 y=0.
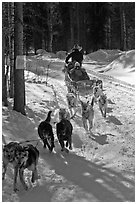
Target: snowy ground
x=101 y=166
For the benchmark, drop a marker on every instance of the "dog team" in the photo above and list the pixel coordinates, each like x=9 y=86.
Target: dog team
x=22 y=157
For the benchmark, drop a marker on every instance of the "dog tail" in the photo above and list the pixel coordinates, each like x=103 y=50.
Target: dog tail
x=92 y=101
x=48 y=119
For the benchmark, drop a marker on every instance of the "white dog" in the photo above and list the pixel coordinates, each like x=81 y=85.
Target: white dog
x=72 y=103
x=101 y=98
x=88 y=114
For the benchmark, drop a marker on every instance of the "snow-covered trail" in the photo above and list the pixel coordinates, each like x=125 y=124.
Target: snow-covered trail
x=101 y=166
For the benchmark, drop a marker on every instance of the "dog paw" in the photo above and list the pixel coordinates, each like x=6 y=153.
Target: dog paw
x=70 y=148
x=32 y=179
x=66 y=150
x=50 y=151
x=15 y=189
x=26 y=187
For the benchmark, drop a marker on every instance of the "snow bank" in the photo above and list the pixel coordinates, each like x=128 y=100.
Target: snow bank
x=123 y=67
x=103 y=55
x=125 y=61
x=61 y=54
x=115 y=63
x=42 y=52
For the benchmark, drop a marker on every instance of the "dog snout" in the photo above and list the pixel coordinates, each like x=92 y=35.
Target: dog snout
x=9 y=156
x=63 y=132
x=19 y=162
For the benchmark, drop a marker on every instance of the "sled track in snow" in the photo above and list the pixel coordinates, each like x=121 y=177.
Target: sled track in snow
x=112 y=80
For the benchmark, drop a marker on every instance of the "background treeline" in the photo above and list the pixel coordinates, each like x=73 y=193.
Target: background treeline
x=57 y=26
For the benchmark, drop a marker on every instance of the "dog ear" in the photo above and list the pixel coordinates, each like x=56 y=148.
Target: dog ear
x=3 y=147
x=27 y=153
x=26 y=148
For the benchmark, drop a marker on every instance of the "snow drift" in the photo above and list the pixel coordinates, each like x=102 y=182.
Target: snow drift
x=115 y=63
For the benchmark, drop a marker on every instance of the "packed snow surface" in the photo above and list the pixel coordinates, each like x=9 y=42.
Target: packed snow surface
x=101 y=166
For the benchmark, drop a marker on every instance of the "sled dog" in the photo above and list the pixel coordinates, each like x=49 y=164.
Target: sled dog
x=64 y=133
x=102 y=102
x=45 y=132
x=21 y=157
x=87 y=114
x=72 y=103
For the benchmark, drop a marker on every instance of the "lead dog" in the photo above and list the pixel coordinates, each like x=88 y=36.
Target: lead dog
x=21 y=158
x=102 y=102
x=45 y=132
x=62 y=113
x=87 y=114
x=64 y=133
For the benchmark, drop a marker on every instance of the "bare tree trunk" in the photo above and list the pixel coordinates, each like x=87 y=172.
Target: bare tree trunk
x=50 y=35
x=19 y=84
x=4 y=78
x=108 y=34
x=4 y=81
x=123 y=27
x=124 y=30
x=71 y=25
x=43 y=41
x=11 y=88
x=50 y=26
x=82 y=25
x=11 y=47
x=78 y=23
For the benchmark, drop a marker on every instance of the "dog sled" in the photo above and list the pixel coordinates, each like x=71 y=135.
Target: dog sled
x=83 y=86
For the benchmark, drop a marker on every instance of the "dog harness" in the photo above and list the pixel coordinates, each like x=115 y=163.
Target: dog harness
x=71 y=103
x=85 y=114
x=102 y=99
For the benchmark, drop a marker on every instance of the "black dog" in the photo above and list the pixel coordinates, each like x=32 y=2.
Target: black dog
x=64 y=133
x=45 y=132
